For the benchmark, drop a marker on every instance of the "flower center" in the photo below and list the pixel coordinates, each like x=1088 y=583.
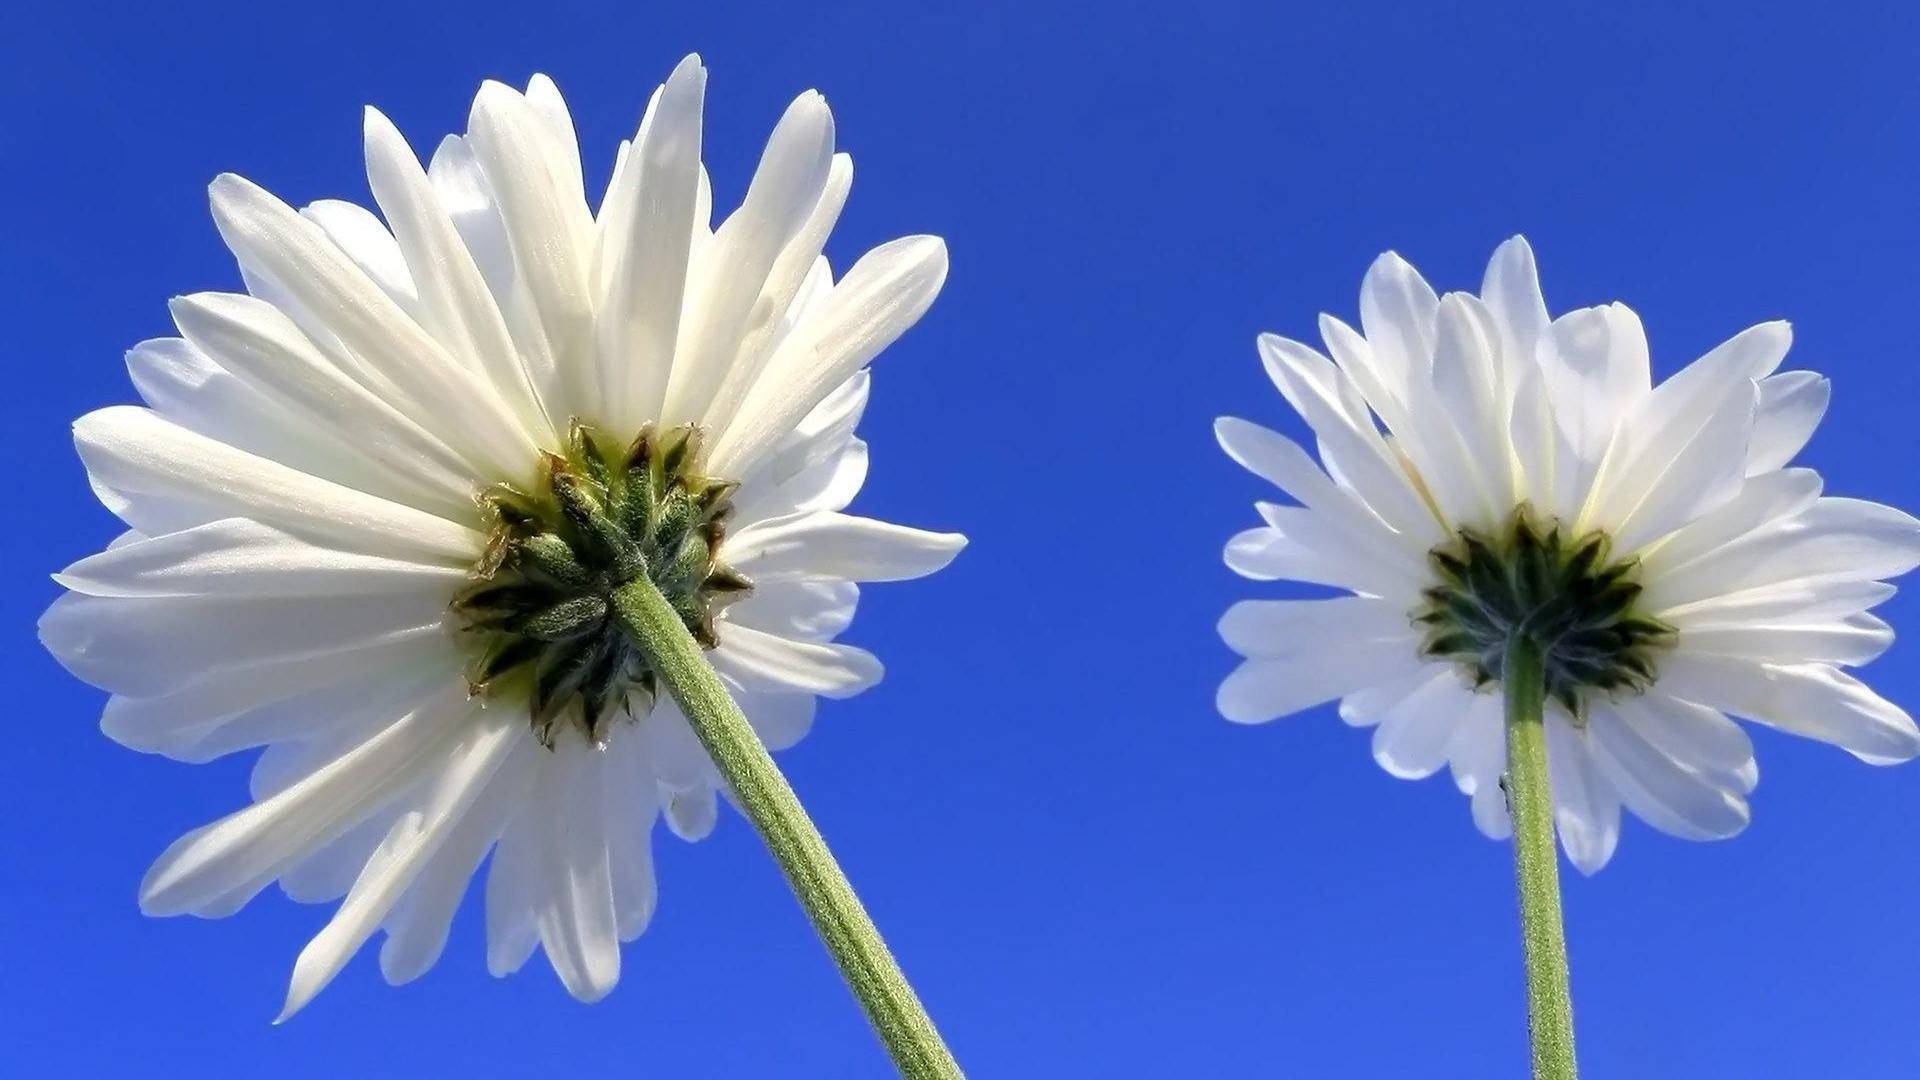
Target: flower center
x=1575 y=603
x=539 y=610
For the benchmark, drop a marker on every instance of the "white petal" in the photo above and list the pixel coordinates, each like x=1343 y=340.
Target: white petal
x=367 y=242
x=1665 y=793
x=1413 y=737
x=768 y=320
x=781 y=720
x=785 y=188
x=1266 y=689
x=1696 y=736
x=514 y=883
x=761 y=661
x=1848 y=640
x=237 y=557
x=1397 y=312
x=407 y=849
x=1704 y=473
x=1511 y=291
x=808 y=610
x=1319 y=392
x=150 y=645
x=1299 y=545
x=405 y=364
x=646 y=284
x=1596 y=374
x=549 y=229
x=632 y=806
x=885 y=292
x=1278 y=459
x=221 y=710
x=575 y=915
x=692 y=813
x=1814 y=700
x=1274 y=628
x=173 y=478
x=1467 y=375
x=263 y=348
x=1586 y=808
x=1791 y=405
x=417 y=930
x=455 y=302
x=1832 y=540
x=839 y=546
x=1764 y=499
x=244 y=851
x=1682 y=404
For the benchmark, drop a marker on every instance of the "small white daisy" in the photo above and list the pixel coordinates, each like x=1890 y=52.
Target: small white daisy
x=379 y=502
x=1482 y=468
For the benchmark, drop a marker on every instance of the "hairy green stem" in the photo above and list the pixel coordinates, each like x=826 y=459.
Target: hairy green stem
x=1536 y=866
x=763 y=794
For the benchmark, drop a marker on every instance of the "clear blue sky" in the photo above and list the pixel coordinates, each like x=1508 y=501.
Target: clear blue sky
x=1086 y=872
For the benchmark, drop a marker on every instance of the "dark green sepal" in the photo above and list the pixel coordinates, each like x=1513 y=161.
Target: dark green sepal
x=1575 y=602
x=603 y=515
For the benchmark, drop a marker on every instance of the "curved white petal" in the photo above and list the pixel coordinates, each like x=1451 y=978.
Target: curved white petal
x=1815 y=700
x=839 y=546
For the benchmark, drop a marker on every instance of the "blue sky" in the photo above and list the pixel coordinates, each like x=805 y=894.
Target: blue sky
x=1085 y=871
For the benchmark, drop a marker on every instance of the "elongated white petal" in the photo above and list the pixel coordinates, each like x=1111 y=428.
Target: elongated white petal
x=1274 y=628
x=762 y=661
x=767 y=320
x=1764 y=499
x=1834 y=539
x=840 y=546
x=1316 y=389
x=785 y=188
x=1511 y=292
x=1703 y=473
x=1696 y=736
x=454 y=303
x=361 y=236
x=409 y=846
x=417 y=931
x=1268 y=688
x=262 y=347
x=549 y=230
x=1586 y=808
x=632 y=806
x=647 y=281
x=238 y=557
x=1413 y=736
x=1397 y=313
x=150 y=645
x=1791 y=405
x=1848 y=640
x=692 y=812
x=1664 y=792
x=245 y=850
x=404 y=363
x=173 y=478
x=883 y=294
x=809 y=610
x=575 y=917
x=1815 y=700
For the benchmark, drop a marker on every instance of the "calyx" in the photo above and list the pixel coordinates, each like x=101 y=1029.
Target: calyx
x=602 y=516
x=1576 y=603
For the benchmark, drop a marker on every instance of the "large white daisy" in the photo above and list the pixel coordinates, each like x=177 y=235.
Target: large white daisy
x=1483 y=467
x=377 y=504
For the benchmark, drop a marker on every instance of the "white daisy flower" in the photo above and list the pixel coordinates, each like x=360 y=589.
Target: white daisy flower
x=1485 y=468
x=379 y=502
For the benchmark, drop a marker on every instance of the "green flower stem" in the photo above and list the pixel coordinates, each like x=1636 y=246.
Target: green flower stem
x=1536 y=866
x=896 y=1014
